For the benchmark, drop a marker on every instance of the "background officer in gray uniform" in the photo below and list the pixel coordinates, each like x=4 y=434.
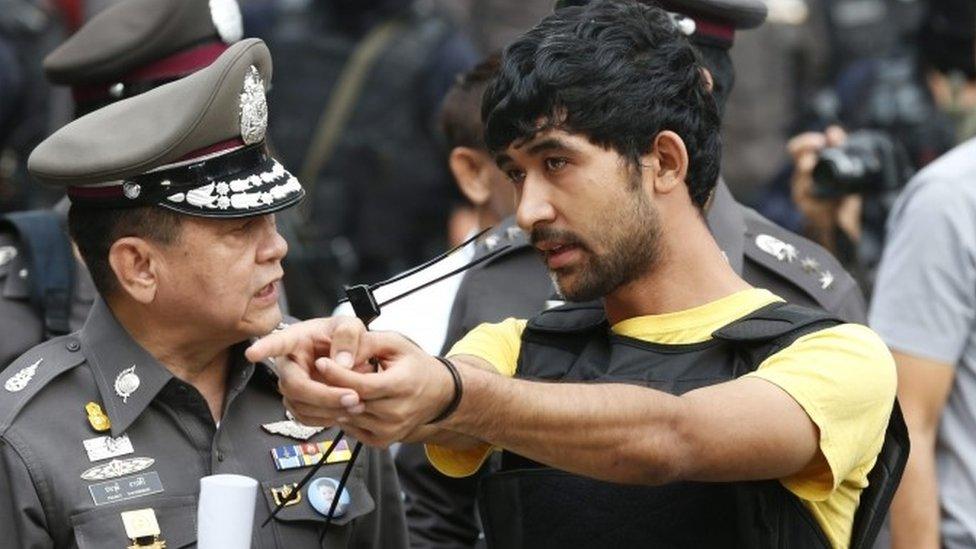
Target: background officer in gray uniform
x=441 y=510
x=130 y=47
x=173 y=194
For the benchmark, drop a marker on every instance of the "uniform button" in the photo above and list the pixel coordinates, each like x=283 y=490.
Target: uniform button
x=73 y=346
x=220 y=456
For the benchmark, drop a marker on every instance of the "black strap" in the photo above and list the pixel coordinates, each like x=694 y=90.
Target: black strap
x=50 y=263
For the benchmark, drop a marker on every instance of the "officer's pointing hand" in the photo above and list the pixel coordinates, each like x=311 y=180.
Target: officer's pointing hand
x=295 y=350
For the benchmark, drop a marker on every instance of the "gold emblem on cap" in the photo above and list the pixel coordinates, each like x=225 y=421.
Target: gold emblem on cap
x=281 y=494
x=142 y=529
x=97 y=418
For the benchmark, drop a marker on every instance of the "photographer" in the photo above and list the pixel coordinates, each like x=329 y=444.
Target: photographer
x=903 y=111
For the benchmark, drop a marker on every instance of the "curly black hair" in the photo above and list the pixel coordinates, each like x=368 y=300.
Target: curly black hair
x=615 y=71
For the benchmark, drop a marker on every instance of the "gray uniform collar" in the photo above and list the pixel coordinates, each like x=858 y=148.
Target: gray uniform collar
x=724 y=217
x=111 y=351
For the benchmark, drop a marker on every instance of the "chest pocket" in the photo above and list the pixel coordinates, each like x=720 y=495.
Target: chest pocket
x=102 y=527
x=300 y=525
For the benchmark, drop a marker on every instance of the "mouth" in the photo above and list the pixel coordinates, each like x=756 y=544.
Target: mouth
x=269 y=291
x=559 y=255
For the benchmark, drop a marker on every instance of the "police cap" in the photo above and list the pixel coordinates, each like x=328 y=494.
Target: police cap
x=195 y=146
x=136 y=45
x=707 y=22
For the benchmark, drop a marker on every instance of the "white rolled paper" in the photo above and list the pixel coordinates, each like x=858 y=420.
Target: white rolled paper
x=225 y=514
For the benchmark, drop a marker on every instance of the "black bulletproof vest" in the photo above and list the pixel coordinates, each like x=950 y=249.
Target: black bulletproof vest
x=526 y=504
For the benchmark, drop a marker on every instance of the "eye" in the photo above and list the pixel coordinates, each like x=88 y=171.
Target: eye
x=516 y=176
x=555 y=163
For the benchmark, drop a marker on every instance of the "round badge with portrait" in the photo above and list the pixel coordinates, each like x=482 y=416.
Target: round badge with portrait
x=322 y=491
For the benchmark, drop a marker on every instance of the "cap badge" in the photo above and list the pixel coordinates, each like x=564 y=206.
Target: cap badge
x=118 y=468
x=254 y=108
x=97 y=418
x=126 y=383
x=685 y=25
x=131 y=190
x=776 y=248
x=18 y=381
x=226 y=17
x=7 y=254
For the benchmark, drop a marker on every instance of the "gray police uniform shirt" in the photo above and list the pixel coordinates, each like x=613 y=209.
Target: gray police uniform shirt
x=924 y=305
x=56 y=491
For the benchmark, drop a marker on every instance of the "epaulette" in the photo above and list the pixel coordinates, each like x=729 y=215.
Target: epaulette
x=30 y=373
x=505 y=234
x=804 y=263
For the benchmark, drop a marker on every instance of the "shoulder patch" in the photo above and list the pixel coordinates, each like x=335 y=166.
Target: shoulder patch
x=30 y=373
x=804 y=263
x=569 y=318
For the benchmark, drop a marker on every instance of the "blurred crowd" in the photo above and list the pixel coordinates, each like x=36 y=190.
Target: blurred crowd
x=894 y=73
x=839 y=127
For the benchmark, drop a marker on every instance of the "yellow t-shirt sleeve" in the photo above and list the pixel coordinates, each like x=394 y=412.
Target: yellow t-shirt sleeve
x=499 y=345
x=844 y=378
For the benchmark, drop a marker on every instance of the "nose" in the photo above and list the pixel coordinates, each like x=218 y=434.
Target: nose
x=273 y=246
x=534 y=205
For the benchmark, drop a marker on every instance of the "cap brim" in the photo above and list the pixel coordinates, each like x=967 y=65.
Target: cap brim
x=268 y=188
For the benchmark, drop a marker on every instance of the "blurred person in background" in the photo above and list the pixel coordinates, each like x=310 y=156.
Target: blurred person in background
x=902 y=111
x=924 y=307
x=123 y=51
x=359 y=84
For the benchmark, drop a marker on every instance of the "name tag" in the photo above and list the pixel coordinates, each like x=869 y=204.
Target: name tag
x=99 y=448
x=127 y=488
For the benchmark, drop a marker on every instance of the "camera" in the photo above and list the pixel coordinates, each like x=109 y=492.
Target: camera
x=870 y=162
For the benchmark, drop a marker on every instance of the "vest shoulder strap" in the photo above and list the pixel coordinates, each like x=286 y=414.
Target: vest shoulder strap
x=50 y=263
x=569 y=319
x=775 y=321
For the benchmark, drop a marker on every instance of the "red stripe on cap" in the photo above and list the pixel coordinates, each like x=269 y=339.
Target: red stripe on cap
x=178 y=65
x=96 y=193
x=234 y=143
x=715 y=29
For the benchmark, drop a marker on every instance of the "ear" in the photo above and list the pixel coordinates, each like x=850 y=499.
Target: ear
x=469 y=168
x=135 y=263
x=669 y=158
x=709 y=81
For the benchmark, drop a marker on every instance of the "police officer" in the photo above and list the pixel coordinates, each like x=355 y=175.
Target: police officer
x=440 y=510
x=130 y=47
x=106 y=432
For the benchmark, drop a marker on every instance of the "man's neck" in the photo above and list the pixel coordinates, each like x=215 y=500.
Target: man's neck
x=201 y=361
x=691 y=271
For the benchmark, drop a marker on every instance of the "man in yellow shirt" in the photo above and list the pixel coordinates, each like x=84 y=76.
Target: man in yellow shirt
x=683 y=409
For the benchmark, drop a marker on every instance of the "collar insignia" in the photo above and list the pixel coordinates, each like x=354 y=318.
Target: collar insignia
x=126 y=383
